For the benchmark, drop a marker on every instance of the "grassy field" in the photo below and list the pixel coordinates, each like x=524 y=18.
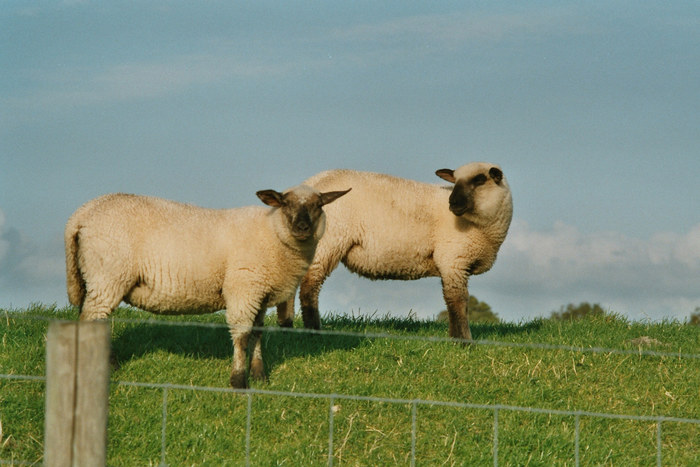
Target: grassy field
x=209 y=428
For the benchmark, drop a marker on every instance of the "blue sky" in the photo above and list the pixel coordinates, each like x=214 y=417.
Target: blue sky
x=591 y=108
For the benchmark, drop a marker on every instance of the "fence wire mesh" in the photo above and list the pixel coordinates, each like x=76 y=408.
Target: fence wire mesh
x=415 y=405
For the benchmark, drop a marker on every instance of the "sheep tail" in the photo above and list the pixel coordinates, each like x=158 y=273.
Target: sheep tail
x=74 y=280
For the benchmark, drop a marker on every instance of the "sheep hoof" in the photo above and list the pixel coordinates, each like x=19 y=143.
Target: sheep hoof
x=469 y=344
x=311 y=320
x=257 y=371
x=286 y=323
x=239 y=380
x=465 y=338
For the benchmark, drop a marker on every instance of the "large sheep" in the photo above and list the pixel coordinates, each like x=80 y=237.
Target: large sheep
x=173 y=258
x=393 y=228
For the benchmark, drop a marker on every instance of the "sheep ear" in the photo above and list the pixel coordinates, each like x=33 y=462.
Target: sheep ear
x=496 y=174
x=330 y=196
x=271 y=198
x=446 y=174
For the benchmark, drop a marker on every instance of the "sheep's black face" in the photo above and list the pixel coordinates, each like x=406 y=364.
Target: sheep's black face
x=302 y=208
x=302 y=218
x=302 y=212
x=462 y=198
x=464 y=194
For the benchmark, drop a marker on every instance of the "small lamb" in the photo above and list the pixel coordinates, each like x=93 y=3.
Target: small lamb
x=393 y=228
x=171 y=258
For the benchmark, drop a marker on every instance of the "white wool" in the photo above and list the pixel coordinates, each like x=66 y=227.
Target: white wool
x=168 y=257
x=394 y=228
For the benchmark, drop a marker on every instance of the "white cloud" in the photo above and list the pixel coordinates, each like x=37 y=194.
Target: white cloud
x=4 y=243
x=24 y=265
x=42 y=268
x=667 y=248
x=564 y=249
x=460 y=28
x=655 y=278
x=77 y=86
x=11 y=245
x=144 y=80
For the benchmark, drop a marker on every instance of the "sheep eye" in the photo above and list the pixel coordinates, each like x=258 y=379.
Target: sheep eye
x=479 y=180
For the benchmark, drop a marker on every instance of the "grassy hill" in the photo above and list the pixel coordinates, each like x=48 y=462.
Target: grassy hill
x=528 y=365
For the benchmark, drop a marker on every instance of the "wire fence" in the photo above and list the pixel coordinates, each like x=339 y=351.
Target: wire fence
x=414 y=404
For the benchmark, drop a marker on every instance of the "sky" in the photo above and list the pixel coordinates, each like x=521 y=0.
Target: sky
x=592 y=109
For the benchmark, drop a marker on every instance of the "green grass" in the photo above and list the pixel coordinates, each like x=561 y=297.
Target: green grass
x=209 y=428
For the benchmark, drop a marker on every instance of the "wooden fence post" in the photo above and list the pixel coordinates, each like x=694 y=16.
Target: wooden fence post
x=77 y=393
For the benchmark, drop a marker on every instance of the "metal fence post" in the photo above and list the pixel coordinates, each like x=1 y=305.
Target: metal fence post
x=577 y=439
x=495 y=437
x=413 y=433
x=248 y=416
x=164 y=420
x=330 y=431
x=658 y=442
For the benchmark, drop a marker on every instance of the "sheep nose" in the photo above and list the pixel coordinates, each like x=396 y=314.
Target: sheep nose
x=460 y=202
x=457 y=200
x=302 y=223
x=303 y=220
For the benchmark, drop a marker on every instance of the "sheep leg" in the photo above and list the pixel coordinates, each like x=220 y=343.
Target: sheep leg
x=311 y=284
x=456 y=298
x=310 y=288
x=241 y=316
x=285 y=313
x=238 y=378
x=240 y=321
x=99 y=305
x=308 y=296
x=257 y=369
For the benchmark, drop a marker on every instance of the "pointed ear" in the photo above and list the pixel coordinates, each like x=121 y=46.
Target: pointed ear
x=496 y=174
x=446 y=174
x=271 y=198
x=330 y=196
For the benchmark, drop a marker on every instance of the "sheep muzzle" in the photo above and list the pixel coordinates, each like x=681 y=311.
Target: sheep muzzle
x=461 y=199
x=302 y=225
